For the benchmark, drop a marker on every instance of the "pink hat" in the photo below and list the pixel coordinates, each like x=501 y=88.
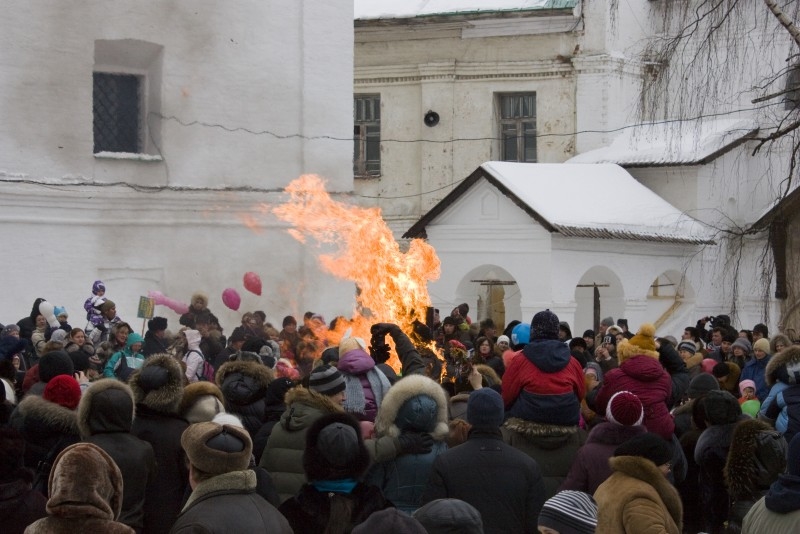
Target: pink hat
x=746 y=384
x=708 y=365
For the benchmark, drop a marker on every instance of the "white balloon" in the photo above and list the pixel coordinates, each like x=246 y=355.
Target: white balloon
x=47 y=310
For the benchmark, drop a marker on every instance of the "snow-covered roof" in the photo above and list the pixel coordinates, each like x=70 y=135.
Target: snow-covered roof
x=394 y=9
x=672 y=143
x=578 y=200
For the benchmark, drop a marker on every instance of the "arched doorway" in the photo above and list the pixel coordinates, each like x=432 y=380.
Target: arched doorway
x=491 y=292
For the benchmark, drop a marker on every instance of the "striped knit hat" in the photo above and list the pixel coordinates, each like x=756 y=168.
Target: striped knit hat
x=569 y=512
x=326 y=380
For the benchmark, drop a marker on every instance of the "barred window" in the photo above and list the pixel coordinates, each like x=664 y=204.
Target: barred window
x=518 y=127
x=116 y=106
x=367 y=135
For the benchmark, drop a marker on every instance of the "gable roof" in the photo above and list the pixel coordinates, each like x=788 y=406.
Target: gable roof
x=599 y=201
x=672 y=143
x=395 y=9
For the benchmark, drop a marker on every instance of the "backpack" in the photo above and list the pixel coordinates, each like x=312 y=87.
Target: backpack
x=206 y=371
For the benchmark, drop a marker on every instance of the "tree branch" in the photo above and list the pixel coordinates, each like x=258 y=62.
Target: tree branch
x=793 y=30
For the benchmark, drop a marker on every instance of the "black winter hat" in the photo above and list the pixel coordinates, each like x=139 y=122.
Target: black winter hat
x=55 y=363
x=544 y=325
x=277 y=389
x=335 y=449
x=701 y=384
x=157 y=324
x=485 y=408
x=721 y=407
x=647 y=445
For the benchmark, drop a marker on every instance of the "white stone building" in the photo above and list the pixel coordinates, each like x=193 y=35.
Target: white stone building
x=139 y=140
x=461 y=83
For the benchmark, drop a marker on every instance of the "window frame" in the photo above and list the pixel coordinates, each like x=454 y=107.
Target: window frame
x=141 y=92
x=524 y=125
x=363 y=137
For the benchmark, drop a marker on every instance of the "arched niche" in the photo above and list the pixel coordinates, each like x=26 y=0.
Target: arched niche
x=599 y=293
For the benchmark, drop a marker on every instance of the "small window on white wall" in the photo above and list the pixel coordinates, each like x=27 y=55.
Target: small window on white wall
x=518 y=127
x=126 y=98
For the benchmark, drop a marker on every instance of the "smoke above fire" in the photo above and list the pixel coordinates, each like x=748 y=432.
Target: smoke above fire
x=392 y=285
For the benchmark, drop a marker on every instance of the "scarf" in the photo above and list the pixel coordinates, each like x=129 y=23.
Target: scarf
x=354 y=401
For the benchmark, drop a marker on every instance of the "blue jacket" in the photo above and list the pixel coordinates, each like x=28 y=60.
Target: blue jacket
x=755 y=370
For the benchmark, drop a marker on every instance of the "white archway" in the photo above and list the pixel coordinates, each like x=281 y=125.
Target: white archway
x=490 y=291
x=599 y=294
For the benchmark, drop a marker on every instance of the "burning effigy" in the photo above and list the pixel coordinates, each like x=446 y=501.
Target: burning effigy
x=392 y=286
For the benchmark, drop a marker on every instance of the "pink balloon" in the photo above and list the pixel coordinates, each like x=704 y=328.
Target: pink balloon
x=231 y=299
x=252 y=283
x=162 y=300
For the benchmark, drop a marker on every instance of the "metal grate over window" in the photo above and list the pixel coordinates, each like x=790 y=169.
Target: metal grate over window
x=116 y=108
x=518 y=127
x=367 y=135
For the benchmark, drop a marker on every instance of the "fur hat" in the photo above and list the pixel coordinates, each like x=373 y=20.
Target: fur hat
x=544 y=325
x=64 y=391
x=647 y=445
x=721 y=408
x=199 y=298
x=216 y=449
x=106 y=406
x=327 y=380
x=569 y=512
x=702 y=384
x=334 y=449
x=157 y=324
x=445 y=516
x=687 y=345
x=415 y=402
x=201 y=401
x=85 y=481
x=485 y=408
x=625 y=408
x=158 y=384
x=55 y=363
x=762 y=345
x=391 y=521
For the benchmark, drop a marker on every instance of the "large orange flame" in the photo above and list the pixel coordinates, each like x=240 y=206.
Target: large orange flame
x=392 y=285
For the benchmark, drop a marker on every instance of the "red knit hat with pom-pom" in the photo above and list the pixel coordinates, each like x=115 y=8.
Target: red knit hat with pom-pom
x=64 y=391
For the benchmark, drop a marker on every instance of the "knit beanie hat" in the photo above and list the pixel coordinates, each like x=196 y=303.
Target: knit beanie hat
x=689 y=346
x=485 y=408
x=762 y=345
x=569 y=512
x=326 y=380
x=544 y=325
x=98 y=286
x=504 y=339
x=746 y=383
x=449 y=516
x=743 y=343
x=58 y=336
x=391 y=521
x=449 y=320
x=335 y=449
x=64 y=391
x=647 y=445
x=645 y=338
x=55 y=363
x=217 y=449
x=625 y=408
x=707 y=365
x=701 y=384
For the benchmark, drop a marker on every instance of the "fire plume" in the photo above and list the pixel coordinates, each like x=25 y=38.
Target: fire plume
x=392 y=285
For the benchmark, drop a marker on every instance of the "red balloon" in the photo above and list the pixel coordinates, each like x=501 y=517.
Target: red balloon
x=252 y=283
x=231 y=299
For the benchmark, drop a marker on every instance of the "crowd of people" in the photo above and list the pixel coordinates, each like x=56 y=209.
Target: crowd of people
x=471 y=429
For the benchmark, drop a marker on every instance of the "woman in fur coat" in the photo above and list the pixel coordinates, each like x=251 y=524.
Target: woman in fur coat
x=414 y=404
x=85 y=494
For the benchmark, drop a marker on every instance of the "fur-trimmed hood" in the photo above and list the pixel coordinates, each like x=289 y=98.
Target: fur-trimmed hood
x=303 y=407
x=199 y=297
x=194 y=392
x=107 y=406
x=646 y=471
x=546 y=436
x=788 y=357
x=158 y=384
x=51 y=414
x=404 y=401
x=244 y=382
x=627 y=350
x=741 y=470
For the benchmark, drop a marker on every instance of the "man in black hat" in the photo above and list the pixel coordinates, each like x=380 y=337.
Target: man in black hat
x=155 y=339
